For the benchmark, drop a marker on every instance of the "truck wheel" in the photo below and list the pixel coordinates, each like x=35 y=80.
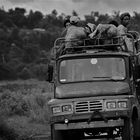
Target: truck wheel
x=57 y=134
x=75 y=135
x=136 y=124
x=66 y=134
x=129 y=129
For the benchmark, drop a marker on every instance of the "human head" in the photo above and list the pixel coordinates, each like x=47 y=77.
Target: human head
x=90 y=27
x=125 y=19
x=74 y=20
x=66 y=22
x=114 y=22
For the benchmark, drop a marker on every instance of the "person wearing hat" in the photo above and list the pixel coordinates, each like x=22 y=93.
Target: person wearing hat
x=124 y=22
x=78 y=33
x=75 y=34
x=74 y=20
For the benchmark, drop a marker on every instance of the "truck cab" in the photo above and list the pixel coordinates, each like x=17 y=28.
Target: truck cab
x=96 y=90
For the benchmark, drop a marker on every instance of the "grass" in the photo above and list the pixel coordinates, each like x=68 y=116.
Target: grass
x=23 y=107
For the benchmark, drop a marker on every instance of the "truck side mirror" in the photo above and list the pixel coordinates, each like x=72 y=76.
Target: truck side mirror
x=49 y=73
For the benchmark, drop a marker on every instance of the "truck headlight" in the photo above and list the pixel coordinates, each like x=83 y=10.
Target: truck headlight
x=56 y=109
x=66 y=108
x=111 y=105
x=122 y=104
x=62 y=108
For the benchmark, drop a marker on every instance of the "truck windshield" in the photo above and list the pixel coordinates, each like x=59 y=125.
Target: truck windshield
x=89 y=69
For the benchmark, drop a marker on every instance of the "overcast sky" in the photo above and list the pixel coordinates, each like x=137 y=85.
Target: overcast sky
x=82 y=7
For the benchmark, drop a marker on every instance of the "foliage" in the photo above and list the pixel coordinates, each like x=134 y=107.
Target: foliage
x=25 y=74
x=23 y=105
x=24 y=36
x=7 y=133
x=39 y=70
x=34 y=18
x=13 y=103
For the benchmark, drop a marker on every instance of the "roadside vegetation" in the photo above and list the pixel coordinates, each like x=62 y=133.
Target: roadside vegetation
x=23 y=109
x=26 y=40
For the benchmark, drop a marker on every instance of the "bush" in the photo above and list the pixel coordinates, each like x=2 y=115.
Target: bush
x=38 y=108
x=23 y=104
x=12 y=103
x=39 y=71
x=25 y=74
x=7 y=133
x=7 y=72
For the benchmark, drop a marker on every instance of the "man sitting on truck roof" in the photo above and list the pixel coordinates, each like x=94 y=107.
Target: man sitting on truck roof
x=66 y=25
x=123 y=31
x=90 y=28
x=105 y=30
x=76 y=34
x=124 y=22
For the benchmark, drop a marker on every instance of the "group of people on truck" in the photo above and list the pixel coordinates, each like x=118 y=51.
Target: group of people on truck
x=112 y=29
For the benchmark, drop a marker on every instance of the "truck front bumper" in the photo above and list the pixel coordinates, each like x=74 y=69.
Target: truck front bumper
x=84 y=125
x=80 y=117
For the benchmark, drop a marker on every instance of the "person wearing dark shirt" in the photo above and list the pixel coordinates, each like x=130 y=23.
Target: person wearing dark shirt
x=124 y=22
x=66 y=26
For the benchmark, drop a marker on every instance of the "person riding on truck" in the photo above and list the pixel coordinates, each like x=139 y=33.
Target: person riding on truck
x=66 y=26
x=123 y=31
x=75 y=32
x=124 y=22
x=105 y=30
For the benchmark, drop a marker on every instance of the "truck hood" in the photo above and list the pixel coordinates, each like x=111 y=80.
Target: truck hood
x=87 y=89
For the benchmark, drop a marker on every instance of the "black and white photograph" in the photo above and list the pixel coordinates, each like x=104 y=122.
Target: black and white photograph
x=69 y=69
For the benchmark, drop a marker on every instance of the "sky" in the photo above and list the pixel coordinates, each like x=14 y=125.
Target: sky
x=82 y=7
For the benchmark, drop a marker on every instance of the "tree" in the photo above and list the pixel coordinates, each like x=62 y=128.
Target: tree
x=135 y=22
x=54 y=13
x=90 y=18
x=31 y=53
x=8 y=23
x=34 y=18
x=18 y=16
x=3 y=15
x=116 y=15
x=4 y=49
x=74 y=13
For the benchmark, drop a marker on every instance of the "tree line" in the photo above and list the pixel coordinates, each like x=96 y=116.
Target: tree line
x=27 y=38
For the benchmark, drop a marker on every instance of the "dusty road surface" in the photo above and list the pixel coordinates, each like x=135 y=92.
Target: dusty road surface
x=40 y=137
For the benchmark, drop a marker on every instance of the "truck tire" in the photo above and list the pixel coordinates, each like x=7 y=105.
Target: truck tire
x=66 y=134
x=129 y=129
x=74 y=135
x=136 y=129
x=57 y=134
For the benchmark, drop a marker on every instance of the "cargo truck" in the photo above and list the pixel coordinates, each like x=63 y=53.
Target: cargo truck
x=96 y=89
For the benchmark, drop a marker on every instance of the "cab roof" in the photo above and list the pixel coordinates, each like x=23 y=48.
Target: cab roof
x=87 y=47
x=96 y=53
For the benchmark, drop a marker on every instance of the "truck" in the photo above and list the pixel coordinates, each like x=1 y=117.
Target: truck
x=96 y=89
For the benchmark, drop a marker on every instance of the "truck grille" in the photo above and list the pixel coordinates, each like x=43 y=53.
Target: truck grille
x=88 y=106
